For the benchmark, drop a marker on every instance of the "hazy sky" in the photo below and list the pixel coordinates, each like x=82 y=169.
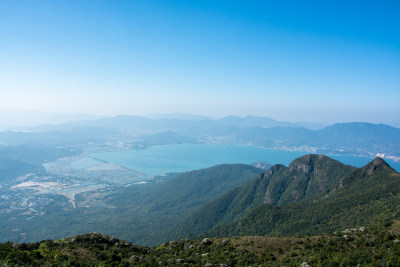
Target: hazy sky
x=321 y=61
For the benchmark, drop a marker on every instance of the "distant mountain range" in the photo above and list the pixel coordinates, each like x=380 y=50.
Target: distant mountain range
x=359 y=138
x=255 y=121
x=178 y=116
x=23 y=119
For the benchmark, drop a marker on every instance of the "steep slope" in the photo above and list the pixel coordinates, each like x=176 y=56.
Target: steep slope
x=361 y=196
x=191 y=188
x=304 y=178
x=161 y=206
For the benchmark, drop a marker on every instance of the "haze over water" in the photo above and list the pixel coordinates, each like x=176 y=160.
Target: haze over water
x=186 y=157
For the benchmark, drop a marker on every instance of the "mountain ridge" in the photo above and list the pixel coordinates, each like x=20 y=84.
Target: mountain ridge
x=344 y=138
x=292 y=184
x=362 y=195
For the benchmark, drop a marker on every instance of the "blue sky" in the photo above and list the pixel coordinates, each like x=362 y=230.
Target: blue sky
x=319 y=61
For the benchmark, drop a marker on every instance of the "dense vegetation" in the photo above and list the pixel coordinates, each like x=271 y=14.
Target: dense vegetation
x=375 y=245
x=143 y=211
x=136 y=213
x=362 y=196
x=313 y=195
x=306 y=202
x=305 y=177
x=357 y=198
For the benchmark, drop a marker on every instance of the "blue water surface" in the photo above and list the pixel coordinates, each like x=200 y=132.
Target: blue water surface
x=186 y=157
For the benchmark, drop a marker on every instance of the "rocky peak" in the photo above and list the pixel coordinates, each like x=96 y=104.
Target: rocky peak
x=273 y=170
x=262 y=165
x=375 y=165
x=305 y=164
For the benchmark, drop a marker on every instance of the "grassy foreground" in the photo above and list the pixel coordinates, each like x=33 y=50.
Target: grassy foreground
x=375 y=245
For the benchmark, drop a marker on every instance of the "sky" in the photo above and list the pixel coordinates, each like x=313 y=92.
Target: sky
x=316 y=61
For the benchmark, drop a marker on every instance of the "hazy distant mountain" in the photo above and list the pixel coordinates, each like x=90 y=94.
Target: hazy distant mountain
x=254 y=121
x=311 y=125
x=352 y=138
x=20 y=160
x=178 y=116
x=13 y=119
x=181 y=122
x=73 y=136
x=361 y=135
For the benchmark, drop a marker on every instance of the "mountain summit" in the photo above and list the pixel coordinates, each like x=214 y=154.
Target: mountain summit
x=314 y=194
x=376 y=165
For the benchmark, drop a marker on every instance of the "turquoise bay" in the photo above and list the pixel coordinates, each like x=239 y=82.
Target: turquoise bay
x=186 y=157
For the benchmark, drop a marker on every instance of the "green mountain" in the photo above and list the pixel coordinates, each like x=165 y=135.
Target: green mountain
x=136 y=213
x=358 y=198
x=148 y=209
x=304 y=178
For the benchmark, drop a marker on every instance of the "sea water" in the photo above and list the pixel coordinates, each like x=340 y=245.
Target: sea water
x=186 y=157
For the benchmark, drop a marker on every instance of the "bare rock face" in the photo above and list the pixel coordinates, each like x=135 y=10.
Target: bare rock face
x=262 y=165
x=273 y=170
x=377 y=163
x=206 y=242
x=268 y=198
x=304 y=164
x=300 y=168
